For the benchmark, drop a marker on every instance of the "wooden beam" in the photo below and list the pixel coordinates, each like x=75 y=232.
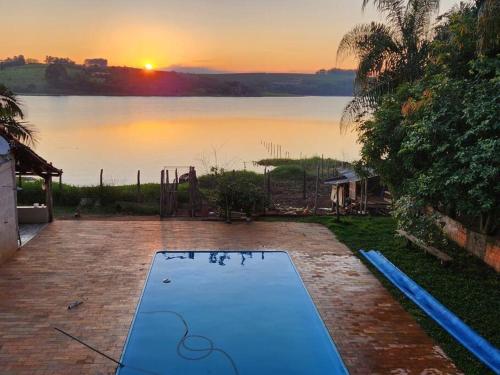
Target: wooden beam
x=337 y=208
x=366 y=195
x=443 y=257
x=48 y=198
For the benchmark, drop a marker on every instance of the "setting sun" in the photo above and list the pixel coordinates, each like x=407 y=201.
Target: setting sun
x=148 y=66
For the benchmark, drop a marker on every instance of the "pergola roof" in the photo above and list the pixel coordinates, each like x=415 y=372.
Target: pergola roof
x=345 y=176
x=28 y=162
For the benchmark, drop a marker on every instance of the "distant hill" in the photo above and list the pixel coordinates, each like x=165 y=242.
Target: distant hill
x=76 y=80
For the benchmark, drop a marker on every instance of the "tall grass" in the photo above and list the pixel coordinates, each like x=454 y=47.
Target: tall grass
x=112 y=198
x=309 y=164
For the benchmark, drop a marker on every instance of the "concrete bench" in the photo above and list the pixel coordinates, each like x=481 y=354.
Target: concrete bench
x=32 y=214
x=443 y=257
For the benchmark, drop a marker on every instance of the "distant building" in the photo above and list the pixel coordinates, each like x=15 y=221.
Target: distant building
x=96 y=63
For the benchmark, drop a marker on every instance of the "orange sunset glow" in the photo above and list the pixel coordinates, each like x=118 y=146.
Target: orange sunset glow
x=227 y=35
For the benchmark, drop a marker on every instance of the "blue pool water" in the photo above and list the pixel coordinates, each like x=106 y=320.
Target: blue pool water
x=234 y=313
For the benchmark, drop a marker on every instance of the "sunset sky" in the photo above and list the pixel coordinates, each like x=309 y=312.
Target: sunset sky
x=225 y=35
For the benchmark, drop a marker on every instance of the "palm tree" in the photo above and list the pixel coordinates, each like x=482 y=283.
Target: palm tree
x=388 y=53
x=12 y=125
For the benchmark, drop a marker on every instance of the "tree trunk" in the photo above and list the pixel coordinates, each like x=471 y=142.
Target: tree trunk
x=487 y=223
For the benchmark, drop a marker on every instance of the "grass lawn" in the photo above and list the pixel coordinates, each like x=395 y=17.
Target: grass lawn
x=467 y=287
x=20 y=78
x=30 y=78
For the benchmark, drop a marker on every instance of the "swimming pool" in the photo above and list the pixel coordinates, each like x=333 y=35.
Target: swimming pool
x=234 y=313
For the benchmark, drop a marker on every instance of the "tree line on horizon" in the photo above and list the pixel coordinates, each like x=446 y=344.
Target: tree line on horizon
x=66 y=78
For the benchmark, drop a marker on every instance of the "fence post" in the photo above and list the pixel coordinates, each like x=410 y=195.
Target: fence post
x=100 y=185
x=176 y=186
x=265 y=178
x=337 y=208
x=138 y=186
x=304 y=184
x=193 y=191
x=316 y=193
x=162 y=192
x=269 y=187
x=48 y=197
x=168 y=198
x=366 y=195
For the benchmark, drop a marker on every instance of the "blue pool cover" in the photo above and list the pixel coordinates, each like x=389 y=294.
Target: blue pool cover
x=481 y=348
x=234 y=313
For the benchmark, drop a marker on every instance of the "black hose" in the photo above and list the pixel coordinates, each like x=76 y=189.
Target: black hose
x=181 y=344
x=88 y=346
x=186 y=335
x=103 y=354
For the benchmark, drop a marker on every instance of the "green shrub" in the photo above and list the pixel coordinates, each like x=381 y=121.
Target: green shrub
x=239 y=190
x=288 y=172
x=309 y=164
x=412 y=217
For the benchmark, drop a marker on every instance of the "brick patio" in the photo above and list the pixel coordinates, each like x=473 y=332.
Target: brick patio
x=104 y=263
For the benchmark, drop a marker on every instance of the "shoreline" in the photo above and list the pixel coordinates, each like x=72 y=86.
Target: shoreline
x=186 y=96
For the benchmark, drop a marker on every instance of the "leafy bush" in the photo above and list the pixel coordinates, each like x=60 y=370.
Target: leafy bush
x=413 y=218
x=239 y=190
x=288 y=172
x=309 y=164
x=436 y=140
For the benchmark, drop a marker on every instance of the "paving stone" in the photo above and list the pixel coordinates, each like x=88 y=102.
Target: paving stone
x=104 y=264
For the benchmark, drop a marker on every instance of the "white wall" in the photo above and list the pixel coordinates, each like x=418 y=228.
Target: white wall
x=8 y=213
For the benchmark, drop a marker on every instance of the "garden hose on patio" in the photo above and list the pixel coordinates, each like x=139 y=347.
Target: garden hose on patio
x=103 y=354
x=180 y=345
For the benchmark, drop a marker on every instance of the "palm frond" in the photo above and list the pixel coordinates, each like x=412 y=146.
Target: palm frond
x=419 y=16
x=9 y=103
x=356 y=109
x=388 y=54
x=362 y=38
x=11 y=116
x=393 y=9
x=21 y=131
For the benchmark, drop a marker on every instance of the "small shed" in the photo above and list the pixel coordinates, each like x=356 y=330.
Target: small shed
x=29 y=163
x=349 y=188
x=18 y=159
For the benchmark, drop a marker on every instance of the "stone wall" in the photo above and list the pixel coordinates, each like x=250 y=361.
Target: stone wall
x=485 y=247
x=8 y=211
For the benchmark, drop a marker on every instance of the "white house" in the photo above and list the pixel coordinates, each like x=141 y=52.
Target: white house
x=8 y=211
x=16 y=158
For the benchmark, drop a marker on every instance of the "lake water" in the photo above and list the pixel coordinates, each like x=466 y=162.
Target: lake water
x=121 y=135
